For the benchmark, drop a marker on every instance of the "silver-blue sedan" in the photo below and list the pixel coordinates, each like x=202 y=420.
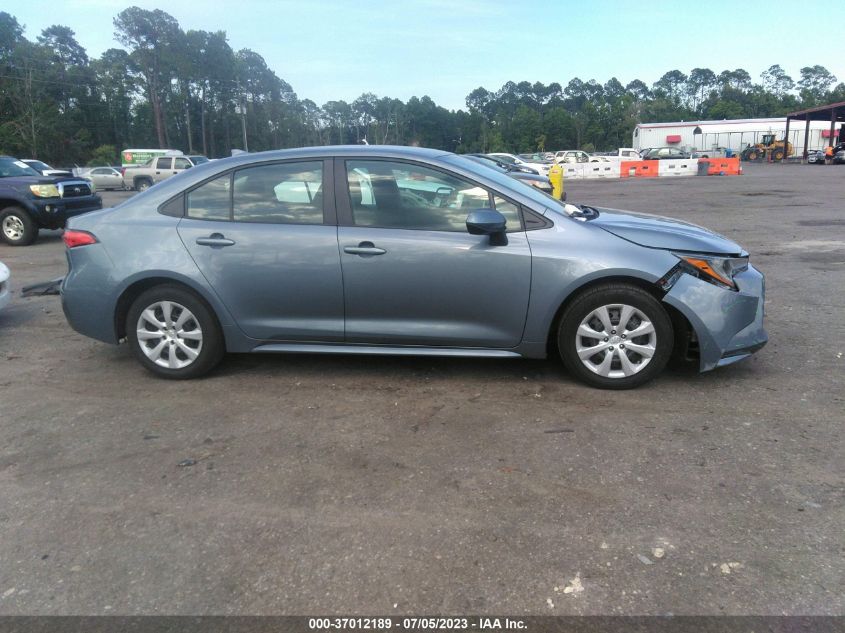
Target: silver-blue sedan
x=398 y=250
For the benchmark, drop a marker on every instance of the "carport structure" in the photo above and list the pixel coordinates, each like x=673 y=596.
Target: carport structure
x=833 y=112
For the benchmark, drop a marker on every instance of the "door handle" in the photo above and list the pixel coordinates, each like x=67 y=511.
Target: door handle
x=215 y=239
x=364 y=249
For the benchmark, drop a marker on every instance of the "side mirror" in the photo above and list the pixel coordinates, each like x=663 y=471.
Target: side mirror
x=488 y=222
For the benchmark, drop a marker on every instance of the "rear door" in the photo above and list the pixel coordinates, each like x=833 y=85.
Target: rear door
x=265 y=238
x=163 y=168
x=412 y=273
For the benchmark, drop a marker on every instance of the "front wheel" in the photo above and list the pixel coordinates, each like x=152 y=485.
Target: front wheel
x=615 y=336
x=16 y=227
x=173 y=333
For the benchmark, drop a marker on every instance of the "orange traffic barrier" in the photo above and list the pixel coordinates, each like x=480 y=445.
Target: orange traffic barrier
x=722 y=166
x=638 y=169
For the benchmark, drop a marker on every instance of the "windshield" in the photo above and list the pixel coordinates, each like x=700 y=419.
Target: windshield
x=503 y=179
x=198 y=160
x=38 y=165
x=10 y=167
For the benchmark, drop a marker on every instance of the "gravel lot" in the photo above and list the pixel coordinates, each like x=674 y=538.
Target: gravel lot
x=391 y=486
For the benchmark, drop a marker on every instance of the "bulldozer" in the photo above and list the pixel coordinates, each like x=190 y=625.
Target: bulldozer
x=769 y=147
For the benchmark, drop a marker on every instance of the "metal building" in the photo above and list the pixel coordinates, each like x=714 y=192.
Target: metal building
x=735 y=134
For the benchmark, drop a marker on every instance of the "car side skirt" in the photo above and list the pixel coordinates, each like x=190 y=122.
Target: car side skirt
x=384 y=350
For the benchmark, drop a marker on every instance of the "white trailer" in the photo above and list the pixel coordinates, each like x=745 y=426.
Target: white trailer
x=734 y=134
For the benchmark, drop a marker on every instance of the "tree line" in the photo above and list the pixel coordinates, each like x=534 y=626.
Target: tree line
x=188 y=89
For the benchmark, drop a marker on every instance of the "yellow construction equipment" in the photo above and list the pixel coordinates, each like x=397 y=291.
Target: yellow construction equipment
x=769 y=147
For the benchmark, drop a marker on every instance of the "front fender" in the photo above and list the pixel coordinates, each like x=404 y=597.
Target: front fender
x=572 y=255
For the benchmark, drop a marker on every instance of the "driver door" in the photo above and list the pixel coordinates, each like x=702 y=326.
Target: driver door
x=412 y=274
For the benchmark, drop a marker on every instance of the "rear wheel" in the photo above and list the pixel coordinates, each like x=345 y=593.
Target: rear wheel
x=173 y=333
x=615 y=336
x=142 y=184
x=16 y=227
x=777 y=155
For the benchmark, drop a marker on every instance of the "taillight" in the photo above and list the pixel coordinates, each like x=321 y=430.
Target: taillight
x=72 y=238
x=123 y=171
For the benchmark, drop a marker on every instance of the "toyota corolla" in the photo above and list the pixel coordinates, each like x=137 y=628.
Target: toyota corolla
x=397 y=250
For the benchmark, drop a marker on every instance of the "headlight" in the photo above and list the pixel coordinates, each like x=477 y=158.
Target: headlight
x=716 y=270
x=44 y=191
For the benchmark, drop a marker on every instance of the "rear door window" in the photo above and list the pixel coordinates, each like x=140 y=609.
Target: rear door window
x=164 y=163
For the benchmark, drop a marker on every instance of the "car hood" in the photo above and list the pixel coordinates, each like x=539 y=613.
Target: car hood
x=654 y=231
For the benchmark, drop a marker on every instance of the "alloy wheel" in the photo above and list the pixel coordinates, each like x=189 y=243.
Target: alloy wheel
x=616 y=341
x=169 y=334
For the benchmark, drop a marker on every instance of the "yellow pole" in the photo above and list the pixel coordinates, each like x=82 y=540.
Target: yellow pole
x=556 y=178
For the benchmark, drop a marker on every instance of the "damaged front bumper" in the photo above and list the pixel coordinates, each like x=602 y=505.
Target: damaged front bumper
x=728 y=324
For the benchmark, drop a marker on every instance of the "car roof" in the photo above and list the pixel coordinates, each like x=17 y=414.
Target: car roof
x=341 y=150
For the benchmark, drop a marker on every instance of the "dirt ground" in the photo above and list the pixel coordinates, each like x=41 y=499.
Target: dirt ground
x=389 y=485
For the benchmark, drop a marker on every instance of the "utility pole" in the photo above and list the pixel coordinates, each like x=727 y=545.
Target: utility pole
x=243 y=115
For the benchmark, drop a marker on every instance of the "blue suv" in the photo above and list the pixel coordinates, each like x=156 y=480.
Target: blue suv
x=30 y=201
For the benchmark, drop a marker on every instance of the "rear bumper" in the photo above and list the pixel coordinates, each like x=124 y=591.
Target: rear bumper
x=87 y=302
x=5 y=293
x=728 y=324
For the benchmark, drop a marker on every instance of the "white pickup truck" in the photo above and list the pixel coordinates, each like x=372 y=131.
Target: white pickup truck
x=142 y=177
x=623 y=153
x=579 y=156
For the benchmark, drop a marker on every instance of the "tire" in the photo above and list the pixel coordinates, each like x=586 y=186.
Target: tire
x=777 y=155
x=142 y=184
x=585 y=314
x=17 y=228
x=162 y=350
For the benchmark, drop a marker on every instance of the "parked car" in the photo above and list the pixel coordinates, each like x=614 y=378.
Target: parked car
x=815 y=157
x=664 y=153
x=159 y=168
x=401 y=251
x=511 y=159
x=623 y=153
x=839 y=158
x=30 y=201
x=44 y=169
x=713 y=152
x=105 y=178
x=5 y=286
x=535 y=158
x=535 y=180
x=572 y=156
